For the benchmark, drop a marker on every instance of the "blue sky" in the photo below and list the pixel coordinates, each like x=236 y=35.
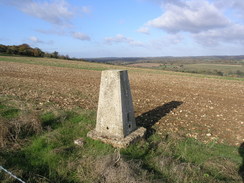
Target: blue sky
x=126 y=28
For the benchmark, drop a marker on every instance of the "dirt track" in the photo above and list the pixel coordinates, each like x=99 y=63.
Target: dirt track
x=205 y=109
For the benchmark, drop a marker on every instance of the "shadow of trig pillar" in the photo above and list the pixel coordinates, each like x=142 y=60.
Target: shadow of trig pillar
x=115 y=115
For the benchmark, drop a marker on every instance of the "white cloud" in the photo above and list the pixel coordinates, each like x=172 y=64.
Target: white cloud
x=144 y=30
x=234 y=8
x=52 y=31
x=189 y=16
x=238 y=4
x=81 y=36
x=209 y=23
x=86 y=9
x=54 y=12
x=116 y=39
x=119 y=38
x=57 y=12
x=231 y=34
x=161 y=1
x=173 y=39
x=34 y=41
x=136 y=43
x=167 y=41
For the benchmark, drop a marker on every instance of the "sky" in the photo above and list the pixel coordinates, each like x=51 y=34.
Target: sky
x=125 y=28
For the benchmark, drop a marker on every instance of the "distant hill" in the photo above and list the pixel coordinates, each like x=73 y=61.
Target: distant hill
x=186 y=60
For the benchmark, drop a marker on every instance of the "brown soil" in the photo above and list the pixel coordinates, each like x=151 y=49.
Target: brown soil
x=202 y=108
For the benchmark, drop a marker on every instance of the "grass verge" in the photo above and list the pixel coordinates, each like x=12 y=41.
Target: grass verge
x=48 y=154
x=187 y=160
x=52 y=156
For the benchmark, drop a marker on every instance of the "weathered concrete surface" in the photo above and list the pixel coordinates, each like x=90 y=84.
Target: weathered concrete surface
x=118 y=142
x=115 y=115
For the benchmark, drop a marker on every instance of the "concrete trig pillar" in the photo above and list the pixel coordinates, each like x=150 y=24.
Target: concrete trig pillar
x=115 y=115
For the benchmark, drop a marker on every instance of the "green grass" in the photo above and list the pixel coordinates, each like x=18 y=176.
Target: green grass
x=186 y=151
x=220 y=71
x=53 y=63
x=187 y=160
x=53 y=154
x=212 y=67
x=185 y=74
x=49 y=119
x=8 y=112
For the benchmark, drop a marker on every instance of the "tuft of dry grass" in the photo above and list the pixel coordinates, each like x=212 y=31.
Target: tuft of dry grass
x=114 y=169
x=14 y=131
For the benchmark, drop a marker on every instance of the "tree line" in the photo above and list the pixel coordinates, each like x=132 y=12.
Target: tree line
x=26 y=50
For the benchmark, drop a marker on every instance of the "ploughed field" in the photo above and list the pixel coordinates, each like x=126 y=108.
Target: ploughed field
x=207 y=109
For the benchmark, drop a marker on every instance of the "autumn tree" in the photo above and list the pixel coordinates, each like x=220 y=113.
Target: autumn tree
x=55 y=54
x=23 y=49
x=3 y=48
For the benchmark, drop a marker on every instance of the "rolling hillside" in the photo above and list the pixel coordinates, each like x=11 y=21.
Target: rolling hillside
x=207 y=109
